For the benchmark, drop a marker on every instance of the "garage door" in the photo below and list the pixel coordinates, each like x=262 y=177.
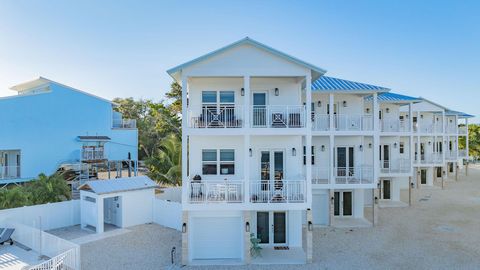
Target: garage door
x=216 y=238
x=320 y=209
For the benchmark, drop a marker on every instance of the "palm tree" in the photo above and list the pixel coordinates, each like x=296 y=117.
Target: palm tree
x=49 y=189
x=13 y=197
x=165 y=166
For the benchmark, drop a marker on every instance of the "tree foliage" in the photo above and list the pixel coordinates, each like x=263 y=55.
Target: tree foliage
x=473 y=141
x=159 y=133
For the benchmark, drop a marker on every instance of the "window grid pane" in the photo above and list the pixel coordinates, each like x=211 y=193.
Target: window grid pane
x=209 y=97
x=227 y=97
x=209 y=155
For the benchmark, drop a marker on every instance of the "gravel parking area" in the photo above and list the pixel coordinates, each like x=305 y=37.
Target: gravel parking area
x=440 y=231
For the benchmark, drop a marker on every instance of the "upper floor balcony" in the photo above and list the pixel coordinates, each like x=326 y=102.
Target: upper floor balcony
x=450 y=129
x=91 y=153
x=259 y=192
x=394 y=124
x=342 y=175
x=342 y=122
x=118 y=122
x=227 y=116
x=429 y=158
x=9 y=172
x=398 y=166
x=462 y=130
x=462 y=153
x=451 y=155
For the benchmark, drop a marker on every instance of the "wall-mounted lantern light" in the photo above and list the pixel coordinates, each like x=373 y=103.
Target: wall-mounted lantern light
x=388 y=110
x=294 y=151
x=247 y=226
x=421 y=116
x=429 y=143
x=319 y=103
x=242 y=91
x=250 y=151
x=310 y=226
x=451 y=121
x=444 y=173
x=376 y=200
x=332 y=199
x=323 y=148
x=367 y=110
x=412 y=185
x=360 y=147
x=370 y=145
x=344 y=103
x=395 y=145
x=378 y=185
x=277 y=92
x=184 y=227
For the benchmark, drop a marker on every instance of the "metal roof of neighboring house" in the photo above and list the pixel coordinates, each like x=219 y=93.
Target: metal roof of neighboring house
x=393 y=98
x=247 y=40
x=460 y=114
x=37 y=82
x=327 y=84
x=118 y=185
x=93 y=138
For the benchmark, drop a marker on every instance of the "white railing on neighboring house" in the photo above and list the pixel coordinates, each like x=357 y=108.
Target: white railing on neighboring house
x=320 y=175
x=401 y=165
x=462 y=130
x=65 y=260
x=462 y=153
x=451 y=155
x=321 y=122
x=9 y=172
x=93 y=153
x=431 y=158
x=212 y=116
x=124 y=123
x=216 y=191
x=354 y=175
x=451 y=129
x=424 y=128
x=350 y=122
x=438 y=127
x=278 y=191
x=277 y=116
x=394 y=125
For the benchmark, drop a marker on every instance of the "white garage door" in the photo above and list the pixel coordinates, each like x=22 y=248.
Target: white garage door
x=216 y=238
x=320 y=209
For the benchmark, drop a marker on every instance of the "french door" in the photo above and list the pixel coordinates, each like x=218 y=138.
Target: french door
x=272 y=164
x=272 y=228
x=385 y=156
x=386 y=189
x=423 y=177
x=259 y=113
x=343 y=201
x=344 y=161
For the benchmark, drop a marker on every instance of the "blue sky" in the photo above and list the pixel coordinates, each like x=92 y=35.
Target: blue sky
x=122 y=48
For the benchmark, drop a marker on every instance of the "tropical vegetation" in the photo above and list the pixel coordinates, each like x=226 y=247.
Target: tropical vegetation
x=473 y=141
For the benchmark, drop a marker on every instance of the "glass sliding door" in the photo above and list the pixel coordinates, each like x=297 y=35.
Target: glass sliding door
x=272 y=228
x=259 y=113
x=343 y=203
x=263 y=227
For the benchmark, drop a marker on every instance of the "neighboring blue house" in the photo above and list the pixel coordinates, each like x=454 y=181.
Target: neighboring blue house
x=48 y=125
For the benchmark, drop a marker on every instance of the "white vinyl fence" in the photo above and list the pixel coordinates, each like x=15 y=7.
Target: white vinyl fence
x=167 y=213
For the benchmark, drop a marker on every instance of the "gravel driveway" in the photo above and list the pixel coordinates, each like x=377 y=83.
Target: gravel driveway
x=440 y=231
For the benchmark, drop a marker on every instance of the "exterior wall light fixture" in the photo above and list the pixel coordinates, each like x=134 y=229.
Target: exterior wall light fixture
x=323 y=148
x=247 y=226
x=370 y=145
x=388 y=110
x=367 y=110
x=184 y=227
x=250 y=151
x=344 y=103
x=360 y=147
x=310 y=226
x=277 y=92
x=395 y=145
x=319 y=103
x=242 y=92
x=294 y=151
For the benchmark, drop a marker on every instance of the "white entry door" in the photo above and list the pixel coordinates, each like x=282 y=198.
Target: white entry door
x=272 y=228
x=320 y=209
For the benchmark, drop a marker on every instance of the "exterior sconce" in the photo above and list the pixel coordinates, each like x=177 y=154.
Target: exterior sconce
x=367 y=110
x=395 y=145
x=250 y=151
x=294 y=151
x=344 y=103
x=421 y=116
x=444 y=173
x=310 y=226
x=412 y=185
x=360 y=147
x=247 y=226
x=242 y=92
x=406 y=115
x=388 y=110
x=332 y=199
x=184 y=227
x=319 y=103
x=323 y=148
x=277 y=92
x=429 y=143
x=378 y=185
x=370 y=145
x=376 y=200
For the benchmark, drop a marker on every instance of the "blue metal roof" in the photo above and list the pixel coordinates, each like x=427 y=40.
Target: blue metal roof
x=461 y=114
x=393 y=97
x=326 y=83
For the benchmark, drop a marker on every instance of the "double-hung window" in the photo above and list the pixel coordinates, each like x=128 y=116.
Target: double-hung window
x=402 y=148
x=213 y=159
x=305 y=155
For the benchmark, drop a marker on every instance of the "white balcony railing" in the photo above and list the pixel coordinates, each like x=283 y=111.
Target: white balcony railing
x=278 y=191
x=394 y=125
x=321 y=122
x=451 y=155
x=349 y=122
x=320 y=175
x=93 y=154
x=423 y=128
x=400 y=165
x=355 y=175
x=9 y=172
x=438 y=127
x=462 y=153
x=124 y=123
x=278 y=116
x=431 y=158
x=462 y=130
x=451 y=129
x=216 y=192
x=224 y=116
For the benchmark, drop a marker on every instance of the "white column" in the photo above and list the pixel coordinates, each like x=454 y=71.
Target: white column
x=376 y=140
x=410 y=139
x=184 y=139
x=330 y=109
x=99 y=200
x=444 y=120
x=308 y=137
x=331 y=100
x=466 y=139
x=246 y=138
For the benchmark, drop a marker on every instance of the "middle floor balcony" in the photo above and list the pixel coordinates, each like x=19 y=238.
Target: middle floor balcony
x=358 y=175
x=394 y=125
x=342 y=122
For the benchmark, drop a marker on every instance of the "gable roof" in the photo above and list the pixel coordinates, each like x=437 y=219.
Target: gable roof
x=317 y=70
x=460 y=114
x=118 y=185
x=329 y=84
x=390 y=97
x=37 y=82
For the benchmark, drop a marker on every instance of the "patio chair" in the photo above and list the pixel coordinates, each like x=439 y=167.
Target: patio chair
x=6 y=236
